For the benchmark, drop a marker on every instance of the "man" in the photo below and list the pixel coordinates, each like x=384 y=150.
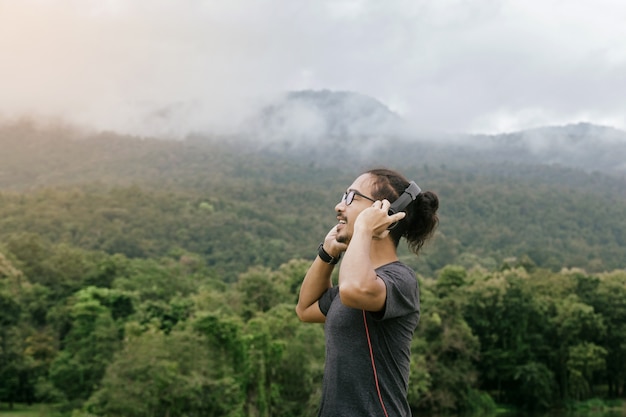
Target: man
x=370 y=316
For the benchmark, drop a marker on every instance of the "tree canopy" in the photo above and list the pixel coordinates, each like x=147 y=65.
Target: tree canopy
x=176 y=266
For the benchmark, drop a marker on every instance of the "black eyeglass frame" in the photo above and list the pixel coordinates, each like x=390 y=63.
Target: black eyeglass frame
x=348 y=197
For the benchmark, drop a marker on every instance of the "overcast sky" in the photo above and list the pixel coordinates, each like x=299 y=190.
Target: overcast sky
x=166 y=67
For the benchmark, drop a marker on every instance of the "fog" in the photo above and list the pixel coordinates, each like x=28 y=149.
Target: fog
x=168 y=68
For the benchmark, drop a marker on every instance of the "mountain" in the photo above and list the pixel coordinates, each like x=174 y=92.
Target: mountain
x=324 y=116
x=238 y=206
x=323 y=128
x=582 y=145
x=329 y=126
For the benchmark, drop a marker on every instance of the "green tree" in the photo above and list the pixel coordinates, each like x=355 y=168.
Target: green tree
x=87 y=349
x=446 y=345
x=286 y=359
x=511 y=322
x=574 y=323
x=173 y=375
x=259 y=291
x=156 y=279
x=12 y=359
x=607 y=295
x=585 y=360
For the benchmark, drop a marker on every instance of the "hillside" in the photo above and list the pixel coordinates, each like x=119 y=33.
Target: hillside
x=237 y=206
x=177 y=264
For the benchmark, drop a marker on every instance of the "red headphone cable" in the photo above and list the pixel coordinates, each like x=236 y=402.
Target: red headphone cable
x=369 y=343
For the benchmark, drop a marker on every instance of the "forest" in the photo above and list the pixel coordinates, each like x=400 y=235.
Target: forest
x=147 y=277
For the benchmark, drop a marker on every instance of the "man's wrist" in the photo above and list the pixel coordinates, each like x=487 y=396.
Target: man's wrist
x=325 y=256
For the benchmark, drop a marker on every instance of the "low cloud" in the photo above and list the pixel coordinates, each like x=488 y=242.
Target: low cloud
x=156 y=67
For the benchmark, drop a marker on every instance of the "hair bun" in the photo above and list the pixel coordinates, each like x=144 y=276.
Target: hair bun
x=431 y=200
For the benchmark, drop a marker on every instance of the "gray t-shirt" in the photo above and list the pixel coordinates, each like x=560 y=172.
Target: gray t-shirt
x=349 y=386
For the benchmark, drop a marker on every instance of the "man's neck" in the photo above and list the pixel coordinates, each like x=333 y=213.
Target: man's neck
x=382 y=252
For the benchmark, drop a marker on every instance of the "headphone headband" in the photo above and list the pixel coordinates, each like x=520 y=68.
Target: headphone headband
x=410 y=194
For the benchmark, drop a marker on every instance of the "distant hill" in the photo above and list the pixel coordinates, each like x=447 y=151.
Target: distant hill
x=239 y=205
x=583 y=145
x=302 y=118
x=328 y=126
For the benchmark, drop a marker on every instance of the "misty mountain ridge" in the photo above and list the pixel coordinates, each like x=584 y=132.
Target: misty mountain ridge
x=330 y=124
x=324 y=115
x=582 y=145
x=210 y=196
x=323 y=128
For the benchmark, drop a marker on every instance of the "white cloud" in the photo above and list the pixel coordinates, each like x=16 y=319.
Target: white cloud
x=163 y=67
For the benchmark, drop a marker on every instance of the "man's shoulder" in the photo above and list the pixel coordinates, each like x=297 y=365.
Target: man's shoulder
x=396 y=268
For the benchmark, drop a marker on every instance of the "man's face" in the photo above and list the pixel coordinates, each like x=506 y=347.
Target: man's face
x=347 y=213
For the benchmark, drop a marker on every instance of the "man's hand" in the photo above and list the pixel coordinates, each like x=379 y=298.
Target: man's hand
x=376 y=219
x=332 y=246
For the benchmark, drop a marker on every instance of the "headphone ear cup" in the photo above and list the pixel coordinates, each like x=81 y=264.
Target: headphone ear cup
x=408 y=196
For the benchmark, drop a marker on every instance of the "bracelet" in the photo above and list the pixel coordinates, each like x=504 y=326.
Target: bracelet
x=325 y=256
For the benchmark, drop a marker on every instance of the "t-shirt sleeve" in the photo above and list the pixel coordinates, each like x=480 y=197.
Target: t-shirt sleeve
x=327 y=298
x=402 y=291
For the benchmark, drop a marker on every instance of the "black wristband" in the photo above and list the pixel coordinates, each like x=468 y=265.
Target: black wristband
x=325 y=256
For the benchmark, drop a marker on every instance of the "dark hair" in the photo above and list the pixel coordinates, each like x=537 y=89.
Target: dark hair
x=421 y=215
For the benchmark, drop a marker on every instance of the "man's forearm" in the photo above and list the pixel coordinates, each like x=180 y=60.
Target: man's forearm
x=316 y=281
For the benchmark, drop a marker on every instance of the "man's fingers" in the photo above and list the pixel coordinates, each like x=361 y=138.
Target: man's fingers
x=398 y=216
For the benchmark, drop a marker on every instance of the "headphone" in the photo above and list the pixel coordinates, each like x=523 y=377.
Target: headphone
x=408 y=196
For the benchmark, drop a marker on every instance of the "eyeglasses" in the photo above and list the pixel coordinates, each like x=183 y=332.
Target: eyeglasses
x=348 y=197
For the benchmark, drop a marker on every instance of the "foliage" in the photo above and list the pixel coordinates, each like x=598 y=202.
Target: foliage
x=171 y=292
x=234 y=209
x=446 y=344
x=531 y=338
x=171 y=375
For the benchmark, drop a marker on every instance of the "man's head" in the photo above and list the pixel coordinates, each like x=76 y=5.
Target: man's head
x=378 y=184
